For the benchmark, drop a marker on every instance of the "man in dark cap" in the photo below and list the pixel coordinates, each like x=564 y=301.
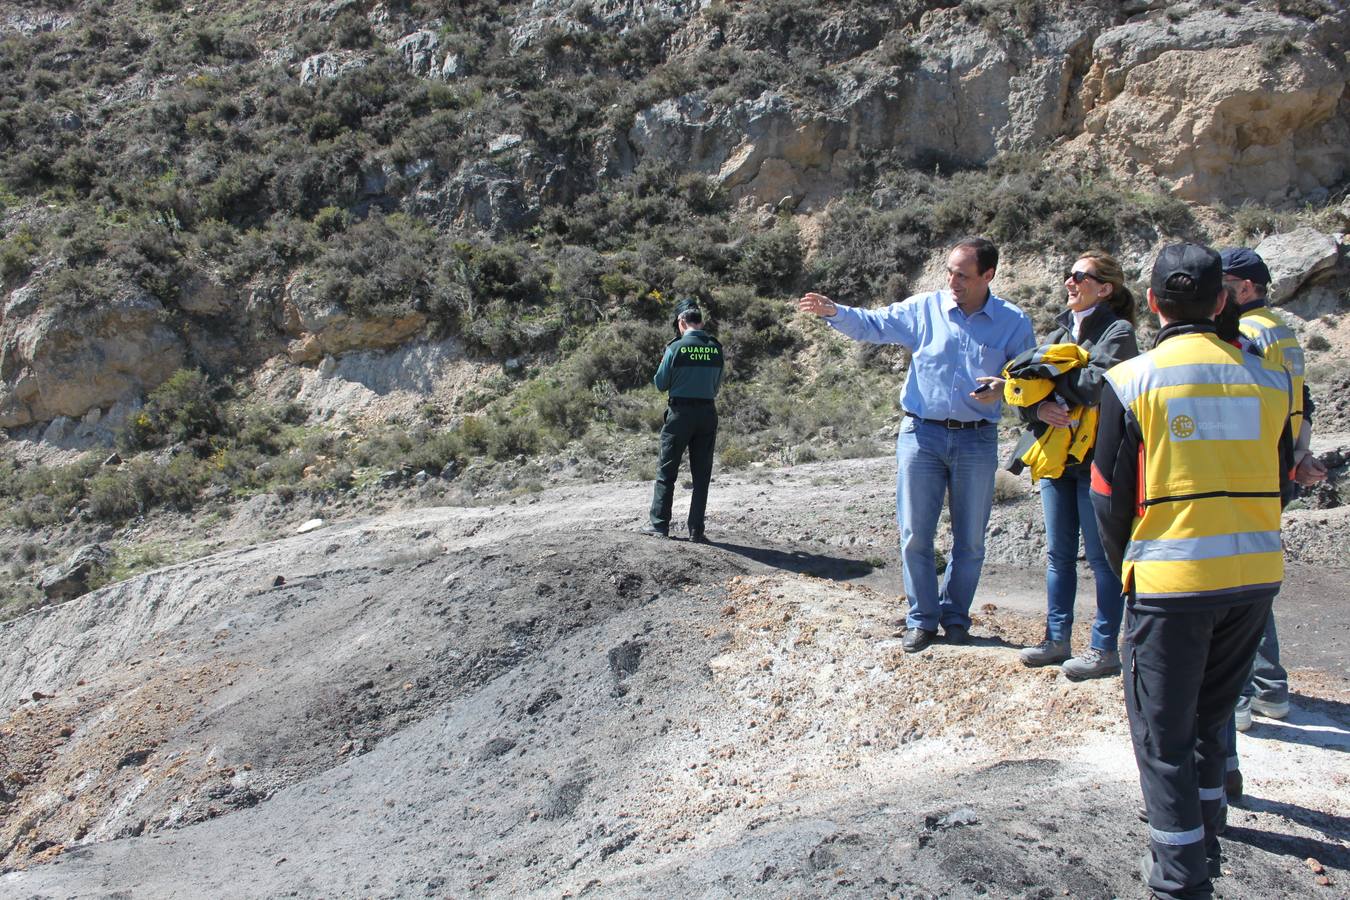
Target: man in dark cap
x=1245 y=273
x=1191 y=458
x=691 y=371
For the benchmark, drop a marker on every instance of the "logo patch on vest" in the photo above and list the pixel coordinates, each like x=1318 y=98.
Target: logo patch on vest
x=1214 y=419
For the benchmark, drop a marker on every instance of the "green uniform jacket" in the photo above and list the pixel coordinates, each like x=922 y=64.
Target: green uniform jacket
x=692 y=367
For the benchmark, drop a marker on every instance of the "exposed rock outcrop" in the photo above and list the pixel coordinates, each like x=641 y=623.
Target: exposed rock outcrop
x=1233 y=108
x=70 y=579
x=971 y=94
x=66 y=362
x=1296 y=258
x=420 y=52
x=329 y=65
x=322 y=328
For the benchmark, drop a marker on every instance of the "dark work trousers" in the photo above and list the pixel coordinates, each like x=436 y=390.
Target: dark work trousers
x=1183 y=672
x=689 y=424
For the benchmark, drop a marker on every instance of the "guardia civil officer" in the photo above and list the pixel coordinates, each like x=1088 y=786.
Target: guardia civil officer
x=691 y=371
x=1192 y=454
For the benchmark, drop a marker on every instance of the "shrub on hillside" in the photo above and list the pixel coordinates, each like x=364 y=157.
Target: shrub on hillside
x=623 y=354
x=184 y=409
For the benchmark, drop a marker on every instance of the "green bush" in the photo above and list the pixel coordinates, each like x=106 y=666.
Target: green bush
x=16 y=254
x=623 y=354
x=183 y=409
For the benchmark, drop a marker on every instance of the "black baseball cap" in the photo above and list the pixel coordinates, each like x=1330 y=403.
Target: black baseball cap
x=1186 y=272
x=688 y=304
x=1244 y=263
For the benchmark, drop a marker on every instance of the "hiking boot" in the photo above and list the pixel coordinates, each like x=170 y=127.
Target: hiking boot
x=1093 y=663
x=652 y=531
x=1271 y=709
x=956 y=634
x=1242 y=714
x=917 y=640
x=1232 y=786
x=1046 y=653
x=698 y=537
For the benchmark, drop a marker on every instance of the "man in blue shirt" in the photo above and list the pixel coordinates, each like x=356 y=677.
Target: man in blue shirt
x=959 y=339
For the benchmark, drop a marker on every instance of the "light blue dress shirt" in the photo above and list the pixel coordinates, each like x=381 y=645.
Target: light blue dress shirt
x=950 y=349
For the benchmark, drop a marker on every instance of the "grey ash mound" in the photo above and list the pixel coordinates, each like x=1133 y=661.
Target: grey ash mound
x=531 y=699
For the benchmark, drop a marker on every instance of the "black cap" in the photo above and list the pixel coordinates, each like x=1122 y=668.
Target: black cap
x=688 y=304
x=1186 y=272
x=1243 y=263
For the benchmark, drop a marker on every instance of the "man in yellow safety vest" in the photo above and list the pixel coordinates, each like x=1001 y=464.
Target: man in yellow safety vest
x=1192 y=455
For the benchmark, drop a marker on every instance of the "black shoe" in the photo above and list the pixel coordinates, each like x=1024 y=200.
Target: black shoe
x=652 y=531
x=698 y=537
x=956 y=634
x=917 y=640
x=1232 y=786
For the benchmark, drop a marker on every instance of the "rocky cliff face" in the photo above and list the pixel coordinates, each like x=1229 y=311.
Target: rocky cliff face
x=58 y=362
x=1221 y=107
x=1226 y=103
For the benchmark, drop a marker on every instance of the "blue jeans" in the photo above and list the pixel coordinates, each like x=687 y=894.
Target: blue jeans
x=1068 y=513
x=1269 y=680
x=933 y=464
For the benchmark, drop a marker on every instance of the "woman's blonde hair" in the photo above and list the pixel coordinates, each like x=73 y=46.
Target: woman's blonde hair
x=1121 y=301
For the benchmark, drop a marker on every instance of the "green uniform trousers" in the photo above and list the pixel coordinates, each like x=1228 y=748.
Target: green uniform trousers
x=689 y=424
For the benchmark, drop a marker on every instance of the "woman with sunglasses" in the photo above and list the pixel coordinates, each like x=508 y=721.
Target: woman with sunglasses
x=1099 y=318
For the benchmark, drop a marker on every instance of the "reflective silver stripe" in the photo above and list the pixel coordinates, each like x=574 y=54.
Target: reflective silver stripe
x=1151 y=377
x=1128 y=377
x=1211 y=793
x=1177 y=838
x=1266 y=336
x=1208 y=547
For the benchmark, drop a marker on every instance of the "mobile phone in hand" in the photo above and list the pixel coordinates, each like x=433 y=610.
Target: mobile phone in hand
x=987 y=386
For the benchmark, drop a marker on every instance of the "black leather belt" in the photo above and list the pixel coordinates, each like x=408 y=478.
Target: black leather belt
x=952 y=424
x=690 y=401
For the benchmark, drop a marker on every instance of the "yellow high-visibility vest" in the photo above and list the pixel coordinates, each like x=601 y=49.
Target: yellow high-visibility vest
x=1208 y=515
x=1265 y=328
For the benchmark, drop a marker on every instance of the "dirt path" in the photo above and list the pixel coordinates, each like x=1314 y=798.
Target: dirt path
x=531 y=699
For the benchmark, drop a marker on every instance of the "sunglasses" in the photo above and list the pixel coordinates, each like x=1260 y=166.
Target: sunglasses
x=1077 y=277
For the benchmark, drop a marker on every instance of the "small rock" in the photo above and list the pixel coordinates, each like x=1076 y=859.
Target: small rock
x=624 y=659
x=71 y=579
x=311 y=525
x=134 y=757
x=278 y=581
x=114 y=460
